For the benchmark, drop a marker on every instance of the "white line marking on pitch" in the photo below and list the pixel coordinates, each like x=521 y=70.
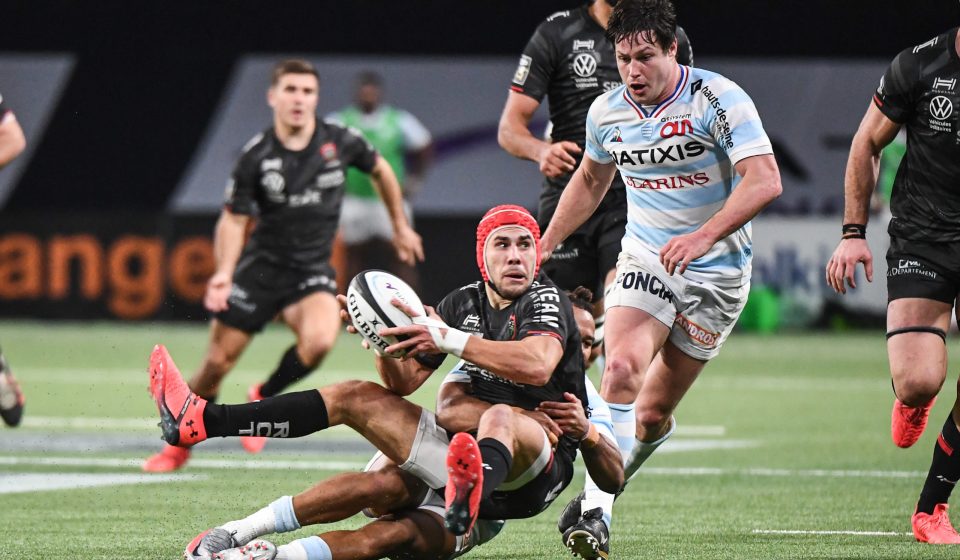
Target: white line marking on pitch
x=104 y=423
x=16 y=483
x=267 y=464
x=854 y=533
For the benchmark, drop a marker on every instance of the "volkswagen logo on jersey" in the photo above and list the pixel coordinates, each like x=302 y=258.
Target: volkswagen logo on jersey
x=941 y=108
x=273 y=182
x=585 y=65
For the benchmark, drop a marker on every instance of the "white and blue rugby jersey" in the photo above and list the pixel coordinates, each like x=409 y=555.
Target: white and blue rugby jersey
x=677 y=161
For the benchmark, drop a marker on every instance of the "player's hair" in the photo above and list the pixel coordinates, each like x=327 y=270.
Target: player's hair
x=293 y=66
x=654 y=20
x=369 y=78
x=581 y=297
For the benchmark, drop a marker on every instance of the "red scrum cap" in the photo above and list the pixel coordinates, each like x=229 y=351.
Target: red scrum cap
x=505 y=215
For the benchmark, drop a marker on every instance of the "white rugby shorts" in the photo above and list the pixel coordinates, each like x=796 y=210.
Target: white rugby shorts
x=700 y=314
x=363 y=219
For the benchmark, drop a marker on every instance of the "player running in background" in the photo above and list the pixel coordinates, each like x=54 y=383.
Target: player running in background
x=408 y=514
x=293 y=175
x=12 y=143
x=406 y=144
x=570 y=62
x=697 y=167
x=919 y=91
x=529 y=353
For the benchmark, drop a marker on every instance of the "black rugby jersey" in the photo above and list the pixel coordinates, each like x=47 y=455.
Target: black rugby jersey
x=570 y=61
x=298 y=193
x=543 y=310
x=921 y=91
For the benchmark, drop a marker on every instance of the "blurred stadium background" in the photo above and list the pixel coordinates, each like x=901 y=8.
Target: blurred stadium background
x=134 y=114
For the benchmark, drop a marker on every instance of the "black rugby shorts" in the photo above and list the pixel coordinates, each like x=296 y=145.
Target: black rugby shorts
x=916 y=269
x=534 y=496
x=262 y=288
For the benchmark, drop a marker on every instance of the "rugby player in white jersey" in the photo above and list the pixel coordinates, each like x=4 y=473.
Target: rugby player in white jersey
x=697 y=166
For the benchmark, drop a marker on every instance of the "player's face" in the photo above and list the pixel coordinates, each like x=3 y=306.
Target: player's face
x=587 y=330
x=511 y=257
x=647 y=70
x=368 y=97
x=294 y=99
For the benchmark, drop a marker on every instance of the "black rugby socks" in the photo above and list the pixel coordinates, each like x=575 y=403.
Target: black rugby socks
x=497 y=461
x=289 y=371
x=944 y=470
x=285 y=416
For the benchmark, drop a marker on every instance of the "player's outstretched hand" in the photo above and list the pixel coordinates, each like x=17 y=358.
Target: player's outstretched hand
x=684 y=249
x=559 y=159
x=409 y=245
x=345 y=317
x=843 y=264
x=417 y=336
x=218 y=292
x=569 y=415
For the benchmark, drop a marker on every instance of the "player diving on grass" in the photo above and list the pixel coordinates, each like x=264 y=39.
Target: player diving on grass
x=529 y=353
x=409 y=514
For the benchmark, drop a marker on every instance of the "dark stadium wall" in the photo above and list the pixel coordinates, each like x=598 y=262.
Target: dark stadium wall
x=84 y=231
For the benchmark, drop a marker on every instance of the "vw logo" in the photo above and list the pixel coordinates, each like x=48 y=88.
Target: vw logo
x=941 y=108
x=584 y=65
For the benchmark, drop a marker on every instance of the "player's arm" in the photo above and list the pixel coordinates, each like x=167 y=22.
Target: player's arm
x=228 y=239
x=12 y=140
x=863 y=167
x=407 y=242
x=514 y=136
x=759 y=186
x=459 y=411
x=530 y=361
x=597 y=444
x=579 y=200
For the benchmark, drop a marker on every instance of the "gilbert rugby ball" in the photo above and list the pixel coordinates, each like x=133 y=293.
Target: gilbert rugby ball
x=368 y=303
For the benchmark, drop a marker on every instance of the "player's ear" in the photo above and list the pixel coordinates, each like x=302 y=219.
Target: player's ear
x=271 y=96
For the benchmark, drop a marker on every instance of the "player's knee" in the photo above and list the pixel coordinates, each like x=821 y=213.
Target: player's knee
x=917 y=390
x=352 y=396
x=313 y=350
x=498 y=415
x=386 y=487
x=622 y=376
x=652 y=419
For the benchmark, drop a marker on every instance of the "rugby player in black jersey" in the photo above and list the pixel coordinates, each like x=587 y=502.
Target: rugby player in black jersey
x=292 y=177
x=570 y=61
x=529 y=354
x=408 y=514
x=12 y=143
x=919 y=91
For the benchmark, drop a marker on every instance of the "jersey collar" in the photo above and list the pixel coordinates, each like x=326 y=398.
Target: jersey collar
x=677 y=92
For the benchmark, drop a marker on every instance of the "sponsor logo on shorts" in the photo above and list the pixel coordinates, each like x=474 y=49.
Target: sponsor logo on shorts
x=646 y=282
x=906 y=267
x=698 y=334
x=239 y=298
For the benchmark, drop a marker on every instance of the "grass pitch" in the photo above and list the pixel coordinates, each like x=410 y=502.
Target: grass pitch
x=783 y=451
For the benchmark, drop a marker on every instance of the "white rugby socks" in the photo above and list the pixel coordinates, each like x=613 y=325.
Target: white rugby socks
x=643 y=450
x=624 y=419
x=310 y=548
x=278 y=517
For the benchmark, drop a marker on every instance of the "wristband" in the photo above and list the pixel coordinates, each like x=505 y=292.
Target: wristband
x=591 y=438
x=451 y=343
x=854 y=231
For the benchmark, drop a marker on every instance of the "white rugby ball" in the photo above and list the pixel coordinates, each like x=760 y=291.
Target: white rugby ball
x=368 y=303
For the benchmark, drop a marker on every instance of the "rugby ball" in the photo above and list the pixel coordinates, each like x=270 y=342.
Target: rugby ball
x=370 y=310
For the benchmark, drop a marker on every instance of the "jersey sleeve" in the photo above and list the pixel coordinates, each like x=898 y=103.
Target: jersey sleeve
x=540 y=314
x=240 y=195
x=895 y=95
x=415 y=135
x=594 y=144
x=733 y=120
x=536 y=66
x=357 y=151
